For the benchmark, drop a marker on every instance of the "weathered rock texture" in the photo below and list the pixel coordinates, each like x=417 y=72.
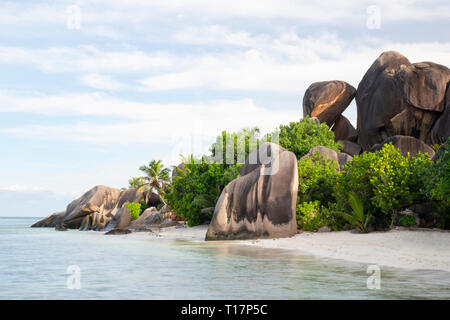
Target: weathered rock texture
x=396 y=97
x=150 y=217
x=170 y=215
x=344 y=130
x=406 y=145
x=260 y=203
x=350 y=148
x=50 y=221
x=441 y=129
x=93 y=210
x=326 y=100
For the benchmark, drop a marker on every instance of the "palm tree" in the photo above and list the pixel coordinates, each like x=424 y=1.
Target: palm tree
x=135 y=183
x=156 y=179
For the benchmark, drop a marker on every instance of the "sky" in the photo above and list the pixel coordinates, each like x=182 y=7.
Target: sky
x=91 y=90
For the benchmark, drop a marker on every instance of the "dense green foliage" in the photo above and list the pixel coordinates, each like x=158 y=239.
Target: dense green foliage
x=436 y=186
x=384 y=180
x=408 y=220
x=198 y=186
x=299 y=137
x=308 y=216
x=315 y=201
x=233 y=148
x=366 y=194
x=135 y=209
x=317 y=178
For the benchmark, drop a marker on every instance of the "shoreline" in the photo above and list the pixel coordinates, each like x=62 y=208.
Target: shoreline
x=398 y=248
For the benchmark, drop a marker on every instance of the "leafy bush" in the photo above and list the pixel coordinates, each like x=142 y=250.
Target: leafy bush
x=317 y=178
x=408 y=220
x=135 y=209
x=143 y=206
x=437 y=184
x=311 y=216
x=299 y=137
x=308 y=216
x=385 y=181
x=243 y=142
x=198 y=186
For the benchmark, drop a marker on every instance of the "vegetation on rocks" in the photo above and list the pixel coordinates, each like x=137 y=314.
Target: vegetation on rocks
x=135 y=209
x=367 y=193
x=300 y=136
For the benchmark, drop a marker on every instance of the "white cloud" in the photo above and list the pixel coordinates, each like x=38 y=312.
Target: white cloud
x=87 y=59
x=151 y=124
x=99 y=81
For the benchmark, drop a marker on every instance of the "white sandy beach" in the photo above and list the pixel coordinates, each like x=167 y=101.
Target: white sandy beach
x=397 y=248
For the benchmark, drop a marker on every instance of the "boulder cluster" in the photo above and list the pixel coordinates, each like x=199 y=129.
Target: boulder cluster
x=103 y=209
x=407 y=104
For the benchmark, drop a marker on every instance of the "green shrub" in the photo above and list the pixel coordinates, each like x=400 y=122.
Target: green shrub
x=385 y=181
x=317 y=178
x=243 y=142
x=437 y=184
x=308 y=216
x=299 y=137
x=143 y=206
x=135 y=209
x=198 y=186
x=408 y=220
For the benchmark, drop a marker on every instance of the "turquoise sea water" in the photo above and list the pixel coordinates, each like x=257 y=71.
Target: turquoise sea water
x=34 y=261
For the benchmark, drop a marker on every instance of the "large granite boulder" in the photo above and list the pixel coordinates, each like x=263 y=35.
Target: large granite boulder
x=94 y=209
x=326 y=100
x=396 y=97
x=121 y=219
x=344 y=130
x=350 y=148
x=327 y=153
x=150 y=217
x=260 y=203
x=406 y=145
x=152 y=199
x=118 y=232
x=170 y=215
x=441 y=129
x=51 y=220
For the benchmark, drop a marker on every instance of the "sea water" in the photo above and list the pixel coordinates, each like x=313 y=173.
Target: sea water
x=39 y=263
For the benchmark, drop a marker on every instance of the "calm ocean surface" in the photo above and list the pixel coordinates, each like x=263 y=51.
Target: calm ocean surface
x=33 y=264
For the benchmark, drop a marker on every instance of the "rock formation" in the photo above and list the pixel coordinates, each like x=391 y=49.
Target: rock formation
x=327 y=100
x=396 y=97
x=441 y=129
x=260 y=203
x=344 y=130
x=93 y=210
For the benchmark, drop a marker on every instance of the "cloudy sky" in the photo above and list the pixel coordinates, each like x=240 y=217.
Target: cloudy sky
x=90 y=90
